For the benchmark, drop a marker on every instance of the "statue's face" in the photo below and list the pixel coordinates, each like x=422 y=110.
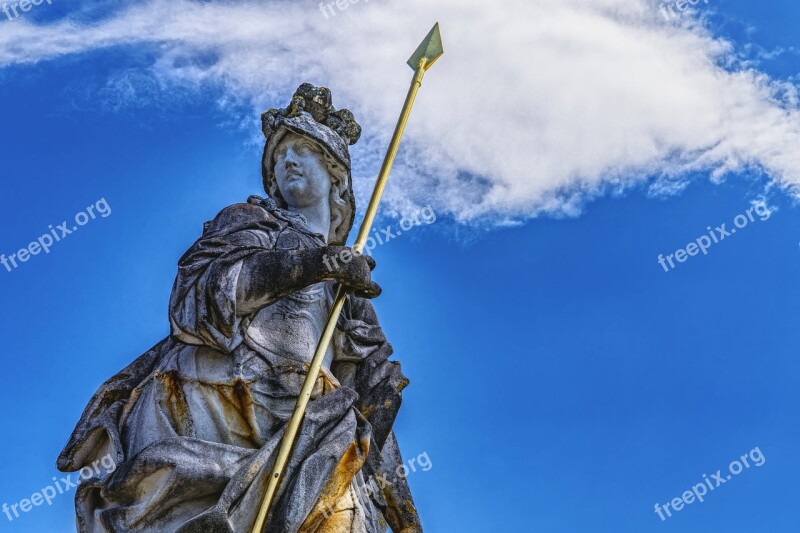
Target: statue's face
x=300 y=171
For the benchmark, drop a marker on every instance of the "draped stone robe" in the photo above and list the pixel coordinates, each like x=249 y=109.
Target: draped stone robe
x=194 y=424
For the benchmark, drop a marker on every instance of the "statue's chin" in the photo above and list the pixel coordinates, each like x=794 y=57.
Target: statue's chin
x=295 y=194
x=299 y=197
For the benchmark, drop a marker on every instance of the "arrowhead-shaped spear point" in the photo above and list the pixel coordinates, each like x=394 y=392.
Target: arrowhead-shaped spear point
x=431 y=49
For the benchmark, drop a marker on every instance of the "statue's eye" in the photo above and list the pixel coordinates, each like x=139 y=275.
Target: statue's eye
x=308 y=148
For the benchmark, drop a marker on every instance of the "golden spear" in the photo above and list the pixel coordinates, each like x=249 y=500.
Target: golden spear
x=423 y=58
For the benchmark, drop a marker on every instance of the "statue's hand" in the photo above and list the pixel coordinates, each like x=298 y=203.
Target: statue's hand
x=353 y=271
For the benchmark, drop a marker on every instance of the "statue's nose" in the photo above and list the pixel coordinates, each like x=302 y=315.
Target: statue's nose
x=291 y=159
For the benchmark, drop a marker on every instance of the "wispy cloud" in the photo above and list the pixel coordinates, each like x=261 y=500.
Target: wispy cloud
x=537 y=106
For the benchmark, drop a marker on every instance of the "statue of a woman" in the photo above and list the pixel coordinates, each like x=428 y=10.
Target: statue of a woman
x=194 y=424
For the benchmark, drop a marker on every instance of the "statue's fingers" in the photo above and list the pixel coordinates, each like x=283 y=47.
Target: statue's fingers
x=373 y=291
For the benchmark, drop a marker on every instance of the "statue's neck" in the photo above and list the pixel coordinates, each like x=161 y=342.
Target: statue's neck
x=318 y=217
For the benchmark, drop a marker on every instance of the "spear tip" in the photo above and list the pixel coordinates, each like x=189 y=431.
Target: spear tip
x=430 y=49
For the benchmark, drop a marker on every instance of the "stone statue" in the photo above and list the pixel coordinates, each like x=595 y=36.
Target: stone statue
x=194 y=423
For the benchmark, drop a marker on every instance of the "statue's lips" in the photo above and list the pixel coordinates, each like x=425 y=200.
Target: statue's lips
x=294 y=176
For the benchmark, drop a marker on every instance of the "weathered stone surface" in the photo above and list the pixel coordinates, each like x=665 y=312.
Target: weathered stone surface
x=195 y=423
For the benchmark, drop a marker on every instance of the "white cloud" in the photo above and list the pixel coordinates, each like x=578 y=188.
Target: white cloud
x=536 y=106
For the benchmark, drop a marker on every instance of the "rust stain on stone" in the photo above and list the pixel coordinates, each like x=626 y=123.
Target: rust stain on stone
x=400 y=511
x=238 y=410
x=325 y=517
x=178 y=409
x=404 y=382
x=242 y=396
x=367 y=410
x=410 y=508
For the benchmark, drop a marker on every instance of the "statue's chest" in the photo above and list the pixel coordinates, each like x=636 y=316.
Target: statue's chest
x=292 y=326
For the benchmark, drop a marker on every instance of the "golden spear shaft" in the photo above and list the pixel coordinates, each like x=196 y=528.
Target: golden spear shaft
x=425 y=56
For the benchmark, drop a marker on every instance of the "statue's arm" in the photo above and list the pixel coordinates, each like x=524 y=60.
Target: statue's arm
x=233 y=270
x=269 y=275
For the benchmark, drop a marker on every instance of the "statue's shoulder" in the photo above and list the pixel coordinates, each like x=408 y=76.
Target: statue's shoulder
x=255 y=212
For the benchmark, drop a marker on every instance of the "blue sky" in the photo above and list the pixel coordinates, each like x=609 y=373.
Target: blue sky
x=561 y=380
